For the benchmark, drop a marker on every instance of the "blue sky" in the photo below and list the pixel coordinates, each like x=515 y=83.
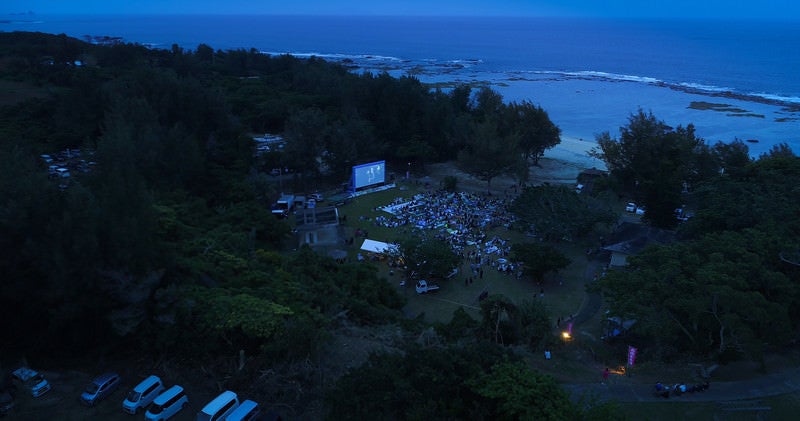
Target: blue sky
x=726 y=9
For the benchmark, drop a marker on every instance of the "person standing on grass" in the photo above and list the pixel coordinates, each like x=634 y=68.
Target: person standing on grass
x=605 y=375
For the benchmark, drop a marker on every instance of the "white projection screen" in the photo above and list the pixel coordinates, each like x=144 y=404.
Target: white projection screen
x=369 y=174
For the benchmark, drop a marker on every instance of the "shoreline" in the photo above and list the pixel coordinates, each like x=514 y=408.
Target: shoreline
x=574 y=150
x=559 y=165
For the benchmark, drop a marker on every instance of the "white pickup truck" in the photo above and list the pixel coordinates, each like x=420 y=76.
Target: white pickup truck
x=423 y=287
x=32 y=380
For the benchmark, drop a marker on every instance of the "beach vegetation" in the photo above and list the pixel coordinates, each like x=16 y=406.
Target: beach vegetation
x=556 y=213
x=536 y=131
x=654 y=163
x=724 y=291
x=488 y=154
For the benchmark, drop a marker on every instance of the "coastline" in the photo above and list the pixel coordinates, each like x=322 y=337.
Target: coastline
x=574 y=151
x=559 y=165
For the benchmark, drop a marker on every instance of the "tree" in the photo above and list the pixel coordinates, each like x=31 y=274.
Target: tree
x=508 y=323
x=721 y=295
x=351 y=141
x=487 y=105
x=305 y=135
x=781 y=150
x=499 y=319
x=535 y=130
x=733 y=156
x=653 y=161
x=416 y=152
x=517 y=392
x=761 y=194
x=127 y=215
x=555 y=212
x=536 y=324
x=480 y=381
x=425 y=257
x=539 y=259
x=487 y=154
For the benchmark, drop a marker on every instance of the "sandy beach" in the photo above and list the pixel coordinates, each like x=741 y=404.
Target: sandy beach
x=575 y=150
x=560 y=165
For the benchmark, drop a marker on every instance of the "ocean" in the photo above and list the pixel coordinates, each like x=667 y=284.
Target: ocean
x=589 y=74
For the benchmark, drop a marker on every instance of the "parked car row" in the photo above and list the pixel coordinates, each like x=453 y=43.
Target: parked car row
x=151 y=396
x=163 y=404
x=633 y=208
x=60 y=164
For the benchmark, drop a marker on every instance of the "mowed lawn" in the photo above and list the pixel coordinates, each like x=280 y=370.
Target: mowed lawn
x=563 y=292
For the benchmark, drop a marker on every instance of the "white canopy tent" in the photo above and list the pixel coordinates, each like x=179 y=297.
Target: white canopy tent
x=378 y=247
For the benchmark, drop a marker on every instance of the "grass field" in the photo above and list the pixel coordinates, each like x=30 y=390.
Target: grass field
x=563 y=293
x=581 y=359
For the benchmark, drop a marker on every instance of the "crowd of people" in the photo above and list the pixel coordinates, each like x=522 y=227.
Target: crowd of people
x=455 y=211
x=460 y=219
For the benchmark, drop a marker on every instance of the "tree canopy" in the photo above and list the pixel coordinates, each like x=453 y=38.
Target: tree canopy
x=725 y=291
x=539 y=259
x=654 y=162
x=464 y=383
x=556 y=212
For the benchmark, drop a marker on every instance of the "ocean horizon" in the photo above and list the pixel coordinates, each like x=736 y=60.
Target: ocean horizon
x=731 y=79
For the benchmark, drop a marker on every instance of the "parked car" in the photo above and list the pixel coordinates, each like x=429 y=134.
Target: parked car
x=220 y=407
x=630 y=207
x=100 y=388
x=423 y=287
x=32 y=380
x=142 y=395
x=167 y=404
x=247 y=411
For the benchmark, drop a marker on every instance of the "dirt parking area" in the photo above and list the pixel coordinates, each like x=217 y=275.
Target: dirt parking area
x=62 y=402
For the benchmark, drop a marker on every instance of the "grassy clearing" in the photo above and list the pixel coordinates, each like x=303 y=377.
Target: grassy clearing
x=563 y=293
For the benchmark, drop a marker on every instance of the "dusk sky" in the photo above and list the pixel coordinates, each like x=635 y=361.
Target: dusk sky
x=724 y=9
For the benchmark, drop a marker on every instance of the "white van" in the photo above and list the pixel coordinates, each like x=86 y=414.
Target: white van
x=167 y=404
x=247 y=411
x=220 y=407
x=142 y=395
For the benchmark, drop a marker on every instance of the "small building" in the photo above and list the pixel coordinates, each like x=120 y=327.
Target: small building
x=317 y=226
x=587 y=178
x=631 y=238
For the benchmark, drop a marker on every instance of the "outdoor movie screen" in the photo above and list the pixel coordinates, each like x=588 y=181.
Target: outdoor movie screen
x=369 y=174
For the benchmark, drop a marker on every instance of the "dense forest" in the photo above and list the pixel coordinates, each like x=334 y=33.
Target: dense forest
x=165 y=246
x=730 y=287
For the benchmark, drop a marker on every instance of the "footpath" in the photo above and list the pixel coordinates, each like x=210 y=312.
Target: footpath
x=787 y=381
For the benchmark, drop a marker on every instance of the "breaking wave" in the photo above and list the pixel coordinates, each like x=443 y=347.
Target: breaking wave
x=473 y=67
